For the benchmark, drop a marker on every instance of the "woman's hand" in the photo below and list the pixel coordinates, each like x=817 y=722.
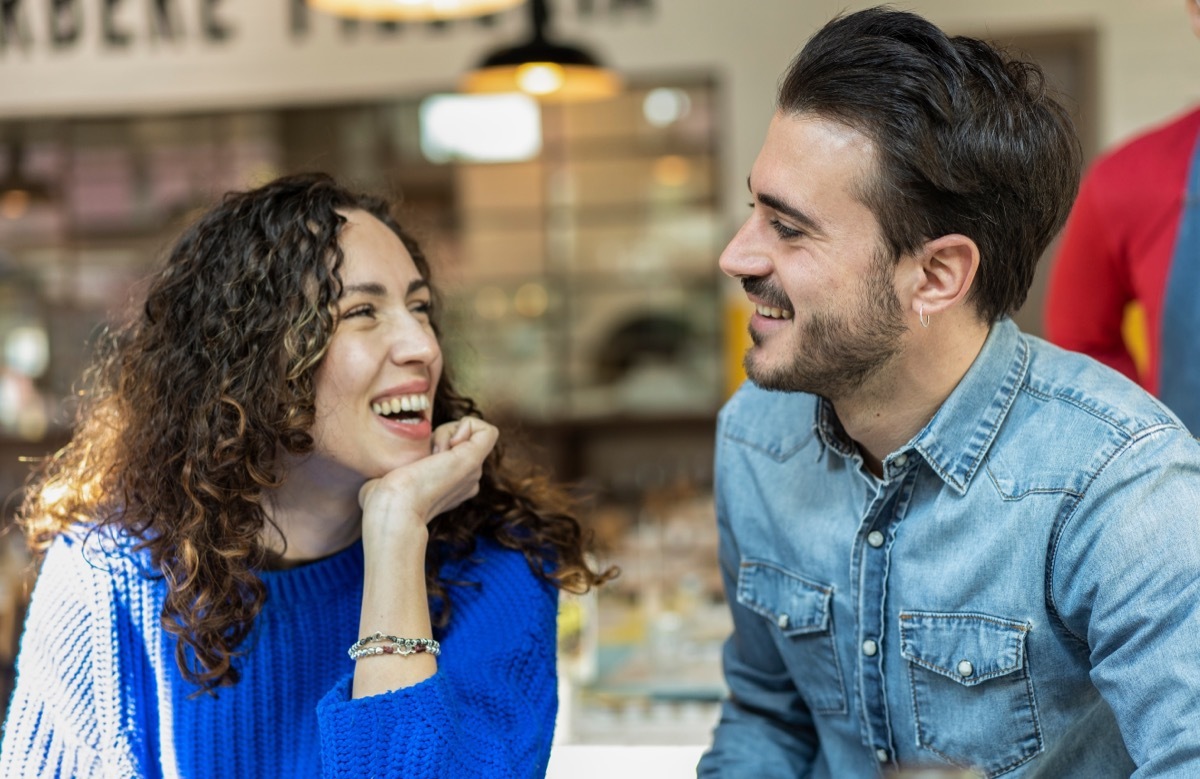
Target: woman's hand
x=407 y=498
x=396 y=509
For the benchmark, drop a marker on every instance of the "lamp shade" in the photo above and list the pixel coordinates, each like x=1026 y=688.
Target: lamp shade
x=546 y=70
x=411 y=10
x=543 y=68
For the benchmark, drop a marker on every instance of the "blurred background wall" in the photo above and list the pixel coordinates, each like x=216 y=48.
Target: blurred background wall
x=1145 y=56
x=577 y=242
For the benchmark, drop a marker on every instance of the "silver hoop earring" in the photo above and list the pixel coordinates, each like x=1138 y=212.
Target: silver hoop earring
x=925 y=320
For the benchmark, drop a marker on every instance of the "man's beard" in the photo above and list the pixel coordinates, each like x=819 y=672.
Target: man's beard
x=836 y=354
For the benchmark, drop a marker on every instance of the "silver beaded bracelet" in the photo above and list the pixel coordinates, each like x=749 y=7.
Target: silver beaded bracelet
x=392 y=645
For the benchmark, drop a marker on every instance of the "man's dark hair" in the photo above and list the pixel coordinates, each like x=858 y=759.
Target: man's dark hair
x=968 y=141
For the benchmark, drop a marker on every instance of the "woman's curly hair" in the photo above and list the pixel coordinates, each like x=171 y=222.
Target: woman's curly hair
x=193 y=405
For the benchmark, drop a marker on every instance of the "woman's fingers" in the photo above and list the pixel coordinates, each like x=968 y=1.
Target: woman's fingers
x=463 y=432
x=434 y=484
x=451 y=434
x=457 y=469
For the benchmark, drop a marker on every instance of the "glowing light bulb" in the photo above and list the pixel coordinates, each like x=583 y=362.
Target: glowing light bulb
x=540 y=78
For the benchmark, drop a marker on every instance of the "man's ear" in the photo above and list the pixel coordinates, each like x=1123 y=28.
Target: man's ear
x=943 y=274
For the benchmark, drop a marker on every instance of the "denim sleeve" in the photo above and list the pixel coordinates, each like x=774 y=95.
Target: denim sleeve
x=765 y=730
x=1125 y=578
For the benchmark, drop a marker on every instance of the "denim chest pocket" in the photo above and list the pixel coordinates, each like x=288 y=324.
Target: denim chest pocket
x=800 y=613
x=972 y=698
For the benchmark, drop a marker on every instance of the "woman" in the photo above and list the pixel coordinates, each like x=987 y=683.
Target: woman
x=271 y=472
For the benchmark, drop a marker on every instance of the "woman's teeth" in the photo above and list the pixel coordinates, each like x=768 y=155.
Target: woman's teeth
x=401 y=403
x=773 y=313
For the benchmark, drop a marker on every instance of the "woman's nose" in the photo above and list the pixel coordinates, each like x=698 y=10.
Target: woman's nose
x=414 y=341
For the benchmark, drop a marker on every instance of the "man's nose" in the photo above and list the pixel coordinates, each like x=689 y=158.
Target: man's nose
x=744 y=255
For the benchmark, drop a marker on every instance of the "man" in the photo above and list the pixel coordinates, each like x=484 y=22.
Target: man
x=944 y=543
x=1134 y=237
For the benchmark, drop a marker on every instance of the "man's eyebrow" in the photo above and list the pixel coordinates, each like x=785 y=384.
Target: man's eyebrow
x=775 y=204
x=376 y=289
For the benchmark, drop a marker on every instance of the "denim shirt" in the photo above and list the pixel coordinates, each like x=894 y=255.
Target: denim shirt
x=1018 y=594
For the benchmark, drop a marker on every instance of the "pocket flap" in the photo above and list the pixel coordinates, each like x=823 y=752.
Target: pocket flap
x=968 y=648
x=794 y=604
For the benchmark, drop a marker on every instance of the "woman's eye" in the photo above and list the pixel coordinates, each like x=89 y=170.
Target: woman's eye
x=784 y=231
x=421 y=307
x=363 y=310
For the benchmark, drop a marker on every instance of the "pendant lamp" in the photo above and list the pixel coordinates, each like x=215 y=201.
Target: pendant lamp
x=411 y=10
x=543 y=68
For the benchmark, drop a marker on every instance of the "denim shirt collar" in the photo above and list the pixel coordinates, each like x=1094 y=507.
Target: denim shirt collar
x=956 y=440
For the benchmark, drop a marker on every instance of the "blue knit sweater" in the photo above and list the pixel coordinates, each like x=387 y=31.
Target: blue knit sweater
x=98 y=692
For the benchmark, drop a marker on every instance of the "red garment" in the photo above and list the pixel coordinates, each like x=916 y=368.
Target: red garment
x=1118 y=244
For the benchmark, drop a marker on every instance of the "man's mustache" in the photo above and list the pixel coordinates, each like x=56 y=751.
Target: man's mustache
x=766 y=291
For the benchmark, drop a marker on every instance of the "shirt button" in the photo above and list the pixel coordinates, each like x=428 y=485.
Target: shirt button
x=875 y=538
x=869 y=648
x=782 y=621
x=965 y=668
x=900 y=460
x=881 y=755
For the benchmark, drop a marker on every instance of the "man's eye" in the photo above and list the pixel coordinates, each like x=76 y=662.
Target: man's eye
x=784 y=231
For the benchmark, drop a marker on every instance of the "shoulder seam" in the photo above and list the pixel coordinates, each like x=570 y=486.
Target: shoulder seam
x=1062 y=524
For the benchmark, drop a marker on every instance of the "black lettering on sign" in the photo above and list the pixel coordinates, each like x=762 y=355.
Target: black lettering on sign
x=14 y=27
x=213 y=28
x=113 y=35
x=299 y=17
x=164 y=21
x=66 y=23
x=586 y=8
x=113 y=21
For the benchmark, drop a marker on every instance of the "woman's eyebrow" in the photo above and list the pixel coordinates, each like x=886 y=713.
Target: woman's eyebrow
x=376 y=289
x=368 y=288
